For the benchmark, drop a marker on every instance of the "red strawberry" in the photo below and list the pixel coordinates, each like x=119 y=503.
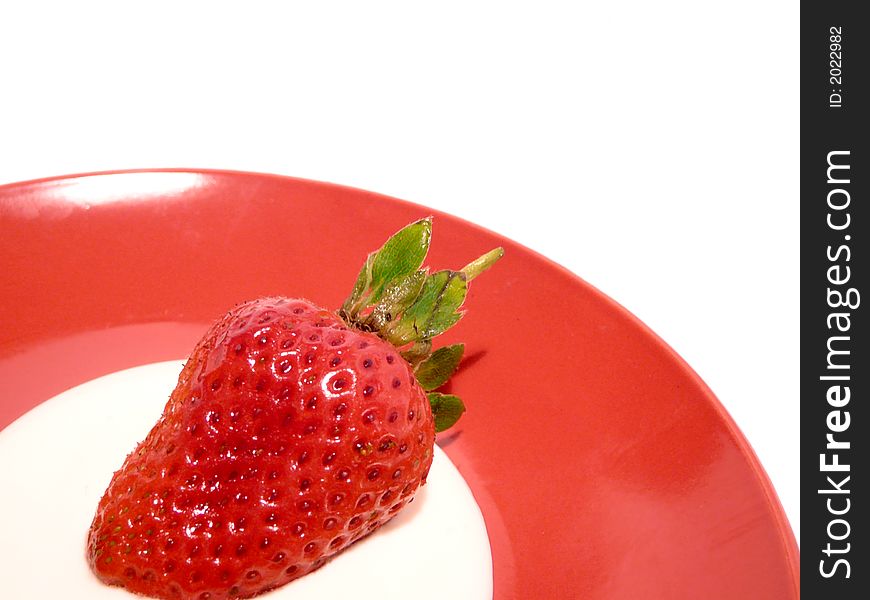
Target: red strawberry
x=293 y=432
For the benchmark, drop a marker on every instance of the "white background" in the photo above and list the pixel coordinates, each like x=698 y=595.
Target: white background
x=650 y=147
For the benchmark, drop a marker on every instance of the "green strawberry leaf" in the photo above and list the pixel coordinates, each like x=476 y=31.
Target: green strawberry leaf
x=400 y=256
x=434 y=372
x=386 y=268
x=446 y=408
x=434 y=310
x=395 y=300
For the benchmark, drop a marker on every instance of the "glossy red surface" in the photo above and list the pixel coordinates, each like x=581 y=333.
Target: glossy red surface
x=604 y=467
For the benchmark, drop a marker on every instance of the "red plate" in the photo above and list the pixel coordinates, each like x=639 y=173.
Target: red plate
x=603 y=465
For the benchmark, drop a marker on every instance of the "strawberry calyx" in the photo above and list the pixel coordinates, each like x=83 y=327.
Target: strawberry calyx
x=399 y=300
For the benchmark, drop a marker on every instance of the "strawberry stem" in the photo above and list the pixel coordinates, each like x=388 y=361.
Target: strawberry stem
x=481 y=264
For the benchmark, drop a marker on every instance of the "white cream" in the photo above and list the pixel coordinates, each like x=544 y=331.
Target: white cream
x=56 y=461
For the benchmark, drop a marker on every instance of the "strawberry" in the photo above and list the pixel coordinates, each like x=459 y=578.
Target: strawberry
x=293 y=432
